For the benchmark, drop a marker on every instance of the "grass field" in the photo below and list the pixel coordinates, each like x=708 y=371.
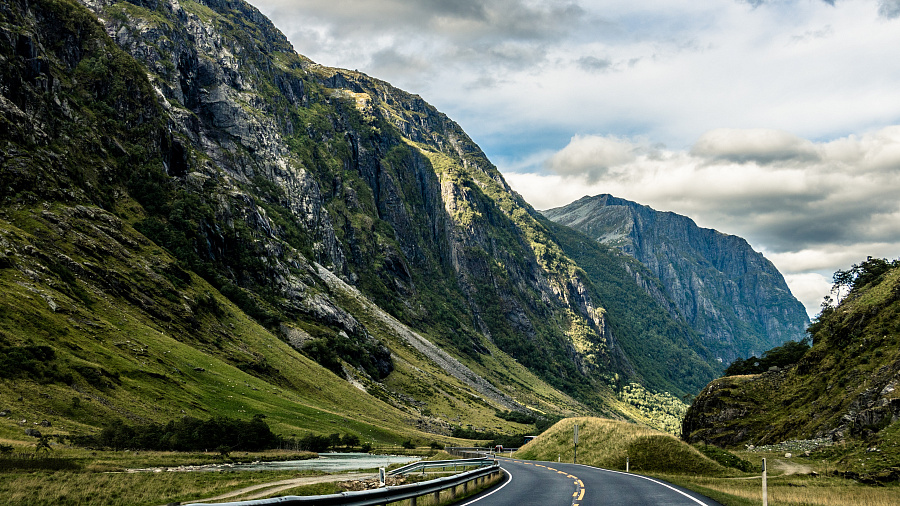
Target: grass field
x=789 y=490
x=92 y=488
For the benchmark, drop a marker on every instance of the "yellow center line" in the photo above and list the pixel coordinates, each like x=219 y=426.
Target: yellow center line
x=580 y=497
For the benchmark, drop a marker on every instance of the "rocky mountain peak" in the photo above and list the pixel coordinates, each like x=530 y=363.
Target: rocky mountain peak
x=731 y=295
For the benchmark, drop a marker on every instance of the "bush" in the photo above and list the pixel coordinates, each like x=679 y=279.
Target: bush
x=668 y=455
x=781 y=356
x=725 y=458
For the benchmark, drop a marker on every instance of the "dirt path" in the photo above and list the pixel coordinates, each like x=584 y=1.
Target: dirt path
x=264 y=489
x=787 y=468
x=791 y=467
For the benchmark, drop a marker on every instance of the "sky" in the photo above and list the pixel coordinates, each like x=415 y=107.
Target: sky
x=774 y=120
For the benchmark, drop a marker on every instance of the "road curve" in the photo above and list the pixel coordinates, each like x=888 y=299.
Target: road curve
x=556 y=484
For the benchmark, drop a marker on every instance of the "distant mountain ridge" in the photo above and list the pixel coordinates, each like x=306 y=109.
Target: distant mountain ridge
x=734 y=298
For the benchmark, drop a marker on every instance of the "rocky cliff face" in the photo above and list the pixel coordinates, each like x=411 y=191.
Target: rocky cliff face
x=171 y=169
x=197 y=124
x=731 y=295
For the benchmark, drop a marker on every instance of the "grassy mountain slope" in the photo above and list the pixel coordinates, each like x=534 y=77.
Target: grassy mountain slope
x=299 y=160
x=843 y=389
x=98 y=322
x=198 y=220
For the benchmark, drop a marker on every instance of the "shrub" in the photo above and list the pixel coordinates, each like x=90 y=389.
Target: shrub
x=725 y=458
x=669 y=455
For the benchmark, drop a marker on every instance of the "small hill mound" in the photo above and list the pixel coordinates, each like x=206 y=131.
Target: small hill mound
x=607 y=443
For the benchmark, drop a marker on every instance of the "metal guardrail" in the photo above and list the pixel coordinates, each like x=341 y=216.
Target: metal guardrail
x=473 y=451
x=468 y=451
x=434 y=464
x=378 y=496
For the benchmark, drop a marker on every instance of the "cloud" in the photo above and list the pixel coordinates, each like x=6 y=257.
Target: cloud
x=594 y=64
x=757 y=3
x=757 y=145
x=889 y=9
x=592 y=157
x=810 y=289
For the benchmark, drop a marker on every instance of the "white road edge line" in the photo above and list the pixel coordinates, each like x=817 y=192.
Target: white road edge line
x=698 y=501
x=492 y=492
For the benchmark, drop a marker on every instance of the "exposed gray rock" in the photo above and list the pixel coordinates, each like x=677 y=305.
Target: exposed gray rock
x=731 y=295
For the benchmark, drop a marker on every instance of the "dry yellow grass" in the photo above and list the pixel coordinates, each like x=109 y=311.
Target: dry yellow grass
x=791 y=491
x=607 y=443
x=113 y=489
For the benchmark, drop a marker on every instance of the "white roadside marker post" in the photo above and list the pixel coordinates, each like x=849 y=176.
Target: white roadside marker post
x=765 y=492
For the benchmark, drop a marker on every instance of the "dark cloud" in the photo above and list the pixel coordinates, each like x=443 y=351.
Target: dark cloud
x=473 y=34
x=594 y=64
x=821 y=224
x=889 y=9
x=391 y=61
x=757 y=3
x=753 y=146
x=456 y=19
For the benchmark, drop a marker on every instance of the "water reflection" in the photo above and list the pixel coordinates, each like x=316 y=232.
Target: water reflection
x=330 y=463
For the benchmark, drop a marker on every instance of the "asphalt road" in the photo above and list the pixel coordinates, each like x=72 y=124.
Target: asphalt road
x=553 y=484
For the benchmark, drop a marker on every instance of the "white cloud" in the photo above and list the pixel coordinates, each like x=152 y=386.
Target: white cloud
x=812 y=208
x=810 y=289
x=592 y=156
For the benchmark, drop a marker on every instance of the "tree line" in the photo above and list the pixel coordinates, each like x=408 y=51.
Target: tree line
x=222 y=434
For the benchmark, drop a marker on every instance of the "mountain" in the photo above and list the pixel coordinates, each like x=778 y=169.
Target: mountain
x=160 y=188
x=732 y=296
x=842 y=390
x=195 y=220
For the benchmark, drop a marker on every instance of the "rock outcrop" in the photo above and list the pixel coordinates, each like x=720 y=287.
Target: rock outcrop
x=731 y=295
